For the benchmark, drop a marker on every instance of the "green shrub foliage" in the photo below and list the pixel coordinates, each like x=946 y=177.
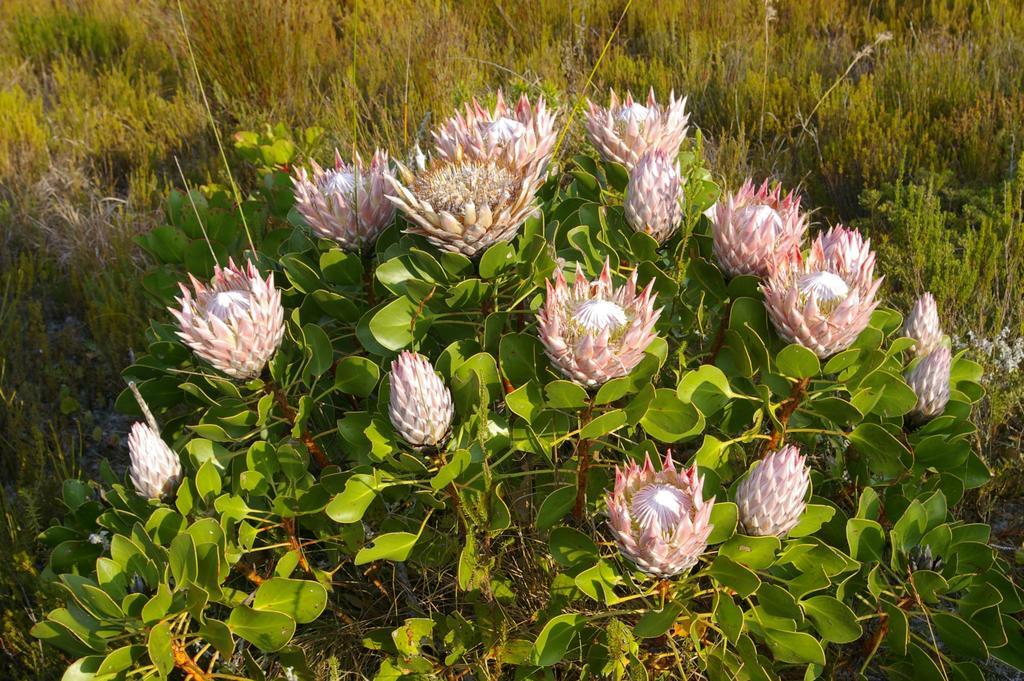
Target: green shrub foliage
x=468 y=561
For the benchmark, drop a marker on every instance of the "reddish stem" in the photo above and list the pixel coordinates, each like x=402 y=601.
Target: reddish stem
x=582 y=465
x=797 y=394
x=716 y=345
x=289 y=414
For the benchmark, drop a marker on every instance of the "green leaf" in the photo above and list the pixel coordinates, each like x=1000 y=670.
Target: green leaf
x=754 y=552
x=814 y=516
x=392 y=326
x=555 y=507
x=740 y=579
x=268 y=630
x=669 y=419
x=571 y=548
x=301 y=599
x=866 y=539
x=960 y=637
x=794 y=646
x=833 y=619
x=604 y=424
x=208 y=481
x=796 y=361
x=356 y=376
x=565 y=395
x=351 y=503
x=526 y=400
x=520 y=355
x=885 y=454
x=159 y=646
x=411 y=636
x=218 y=633
x=599 y=581
x=318 y=350
x=497 y=259
x=655 y=623
x=724 y=515
x=553 y=641
x=396 y=546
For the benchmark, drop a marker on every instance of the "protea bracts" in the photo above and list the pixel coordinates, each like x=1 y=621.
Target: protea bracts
x=155 y=469
x=823 y=302
x=592 y=331
x=923 y=326
x=347 y=203
x=421 y=405
x=771 y=499
x=654 y=196
x=659 y=519
x=523 y=137
x=236 y=323
x=929 y=379
x=625 y=130
x=752 y=225
x=463 y=205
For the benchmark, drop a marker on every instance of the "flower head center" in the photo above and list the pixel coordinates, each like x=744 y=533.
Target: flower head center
x=660 y=503
x=339 y=182
x=761 y=218
x=633 y=113
x=599 y=315
x=226 y=305
x=827 y=288
x=450 y=186
x=504 y=130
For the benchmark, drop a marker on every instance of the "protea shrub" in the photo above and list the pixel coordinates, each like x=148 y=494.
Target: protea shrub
x=594 y=331
x=771 y=499
x=235 y=323
x=347 y=203
x=626 y=129
x=659 y=519
x=923 y=325
x=929 y=379
x=751 y=226
x=825 y=300
x=420 y=405
x=654 y=196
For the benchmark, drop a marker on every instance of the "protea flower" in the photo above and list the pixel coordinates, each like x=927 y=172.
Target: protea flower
x=824 y=301
x=752 y=225
x=929 y=380
x=421 y=405
x=654 y=196
x=523 y=137
x=464 y=206
x=593 y=332
x=346 y=204
x=923 y=326
x=625 y=130
x=771 y=498
x=236 y=323
x=659 y=518
x=155 y=469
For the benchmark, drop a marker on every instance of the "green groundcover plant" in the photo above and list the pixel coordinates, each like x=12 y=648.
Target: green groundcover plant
x=488 y=413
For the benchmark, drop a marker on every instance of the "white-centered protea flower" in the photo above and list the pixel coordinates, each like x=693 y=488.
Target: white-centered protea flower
x=625 y=130
x=754 y=224
x=592 y=331
x=155 y=469
x=236 y=323
x=771 y=498
x=659 y=519
x=347 y=203
x=421 y=405
x=465 y=206
x=923 y=326
x=929 y=379
x=523 y=137
x=654 y=195
x=823 y=302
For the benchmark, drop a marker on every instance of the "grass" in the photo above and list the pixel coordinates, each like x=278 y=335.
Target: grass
x=902 y=118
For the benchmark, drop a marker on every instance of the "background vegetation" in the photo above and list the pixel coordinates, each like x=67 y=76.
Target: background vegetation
x=904 y=118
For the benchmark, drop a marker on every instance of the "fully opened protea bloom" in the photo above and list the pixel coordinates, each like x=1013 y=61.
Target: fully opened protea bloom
x=523 y=137
x=824 y=301
x=659 y=519
x=771 y=498
x=236 y=323
x=929 y=380
x=625 y=130
x=592 y=331
x=347 y=203
x=654 y=196
x=155 y=469
x=923 y=326
x=754 y=224
x=421 y=405
x=464 y=205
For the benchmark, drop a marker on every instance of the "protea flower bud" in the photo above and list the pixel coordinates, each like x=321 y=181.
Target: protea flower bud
x=347 y=203
x=929 y=380
x=771 y=498
x=659 y=519
x=752 y=225
x=464 y=206
x=923 y=559
x=654 y=196
x=625 y=130
x=823 y=302
x=522 y=137
x=236 y=323
x=923 y=326
x=155 y=469
x=421 y=405
x=593 y=332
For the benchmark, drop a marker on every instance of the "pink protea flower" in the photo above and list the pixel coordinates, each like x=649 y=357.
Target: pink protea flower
x=347 y=203
x=752 y=225
x=592 y=331
x=236 y=323
x=823 y=302
x=771 y=498
x=654 y=196
x=929 y=379
x=659 y=519
x=155 y=469
x=523 y=137
x=421 y=405
x=624 y=130
x=923 y=326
